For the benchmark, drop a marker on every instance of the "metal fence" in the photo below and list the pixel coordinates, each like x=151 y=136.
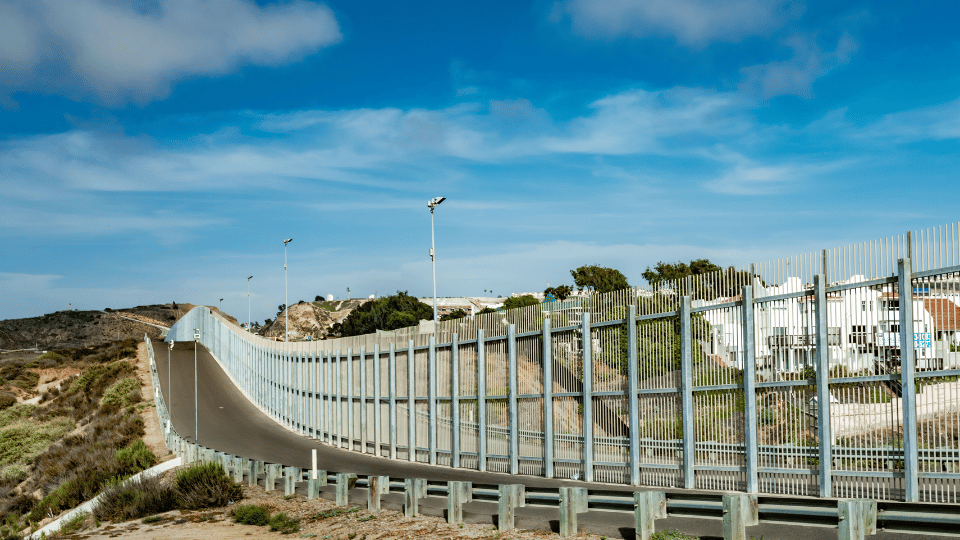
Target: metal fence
x=803 y=376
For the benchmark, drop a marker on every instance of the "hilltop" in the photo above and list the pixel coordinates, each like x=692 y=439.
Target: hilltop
x=311 y=319
x=76 y=329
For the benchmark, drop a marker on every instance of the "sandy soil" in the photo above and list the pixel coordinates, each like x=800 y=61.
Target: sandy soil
x=153 y=436
x=354 y=523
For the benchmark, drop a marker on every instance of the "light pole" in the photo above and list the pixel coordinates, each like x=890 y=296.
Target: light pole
x=221 y=305
x=169 y=386
x=433 y=203
x=286 y=308
x=196 y=407
x=249 y=325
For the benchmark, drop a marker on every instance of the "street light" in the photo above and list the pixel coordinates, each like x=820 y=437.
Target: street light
x=196 y=407
x=433 y=203
x=169 y=386
x=249 y=326
x=221 y=305
x=286 y=308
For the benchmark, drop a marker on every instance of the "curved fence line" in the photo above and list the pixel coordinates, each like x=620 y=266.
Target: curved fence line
x=804 y=376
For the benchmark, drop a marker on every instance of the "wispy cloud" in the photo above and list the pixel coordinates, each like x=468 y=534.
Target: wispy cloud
x=796 y=75
x=936 y=123
x=135 y=51
x=749 y=178
x=693 y=23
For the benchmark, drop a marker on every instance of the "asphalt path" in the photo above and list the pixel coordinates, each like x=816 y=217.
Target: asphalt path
x=230 y=423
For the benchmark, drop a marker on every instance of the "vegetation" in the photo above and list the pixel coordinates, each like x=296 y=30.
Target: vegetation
x=454 y=315
x=672 y=535
x=204 y=485
x=715 y=281
x=201 y=485
x=599 y=279
x=284 y=524
x=251 y=514
x=520 y=301
x=388 y=313
x=560 y=292
x=123 y=393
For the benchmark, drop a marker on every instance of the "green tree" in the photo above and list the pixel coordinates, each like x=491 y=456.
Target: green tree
x=599 y=279
x=560 y=292
x=486 y=310
x=454 y=315
x=388 y=313
x=520 y=301
x=712 y=280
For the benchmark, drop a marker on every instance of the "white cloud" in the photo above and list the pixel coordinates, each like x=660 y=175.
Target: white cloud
x=796 y=75
x=120 y=52
x=749 y=178
x=694 y=23
x=938 y=122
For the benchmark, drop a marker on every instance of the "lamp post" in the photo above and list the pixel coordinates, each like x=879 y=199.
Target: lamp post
x=196 y=407
x=169 y=385
x=286 y=308
x=249 y=325
x=433 y=203
x=221 y=305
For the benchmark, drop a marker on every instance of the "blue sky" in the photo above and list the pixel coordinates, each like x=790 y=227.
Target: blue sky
x=158 y=150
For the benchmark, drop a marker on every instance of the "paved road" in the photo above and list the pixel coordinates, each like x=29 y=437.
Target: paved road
x=232 y=424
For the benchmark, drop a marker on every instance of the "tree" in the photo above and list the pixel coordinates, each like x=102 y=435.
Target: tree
x=599 y=279
x=280 y=308
x=388 y=313
x=560 y=292
x=713 y=281
x=486 y=310
x=520 y=301
x=453 y=315
x=318 y=298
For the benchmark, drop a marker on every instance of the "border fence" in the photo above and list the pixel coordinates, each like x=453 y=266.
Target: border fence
x=833 y=374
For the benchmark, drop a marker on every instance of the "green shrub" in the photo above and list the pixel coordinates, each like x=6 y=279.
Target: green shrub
x=7 y=400
x=135 y=499
x=204 y=485
x=252 y=514
x=284 y=524
x=135 y=458
x=73 y=524
x=673 y=535
x=122 y=393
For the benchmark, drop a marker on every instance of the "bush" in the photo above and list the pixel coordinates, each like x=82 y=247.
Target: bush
x=204 y=485
x=251 y=514
x=135 y=458
x=122 y=393
x=284 y=524
x=7 y=400
x=135 y=499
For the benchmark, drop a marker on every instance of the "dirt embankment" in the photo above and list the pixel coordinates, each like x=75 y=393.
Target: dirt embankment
x=311 y=319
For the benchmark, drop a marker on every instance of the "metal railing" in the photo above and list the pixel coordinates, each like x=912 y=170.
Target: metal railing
x=694 y=383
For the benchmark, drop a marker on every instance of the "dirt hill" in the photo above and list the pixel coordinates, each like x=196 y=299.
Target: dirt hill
x=72 y=329
x=311 y=319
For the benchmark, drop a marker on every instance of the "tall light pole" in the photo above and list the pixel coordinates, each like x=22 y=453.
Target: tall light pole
x=433 y=203
x=169 y=385
x=249 y=325
x=286 y=308
x=196 y=407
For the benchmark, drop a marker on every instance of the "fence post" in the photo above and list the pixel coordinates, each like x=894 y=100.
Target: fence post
x=648 y=507
x=455 y=400
x=908 y=400
x=824 y=429
x=858 y=518
x=374 y=490
x=339 y=403
x=351 y=435
x=411 y=497
x=506 y=507
x=587 y=358
x=252 y=471
x=363 y=400
x=455 y=500
x=548 y=436
x=411 y=403
x=481 y=401
x=568 y=512
x=739 y=512
x=345 y=482
x=633 y=405
x=686 y=388
x=750 y=392
x=392 y=420
x=432 y=396
x=377 y=416
x=513 y=391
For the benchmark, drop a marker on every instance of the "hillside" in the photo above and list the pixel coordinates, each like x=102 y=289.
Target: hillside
x=311 y=319
x=73 y=329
